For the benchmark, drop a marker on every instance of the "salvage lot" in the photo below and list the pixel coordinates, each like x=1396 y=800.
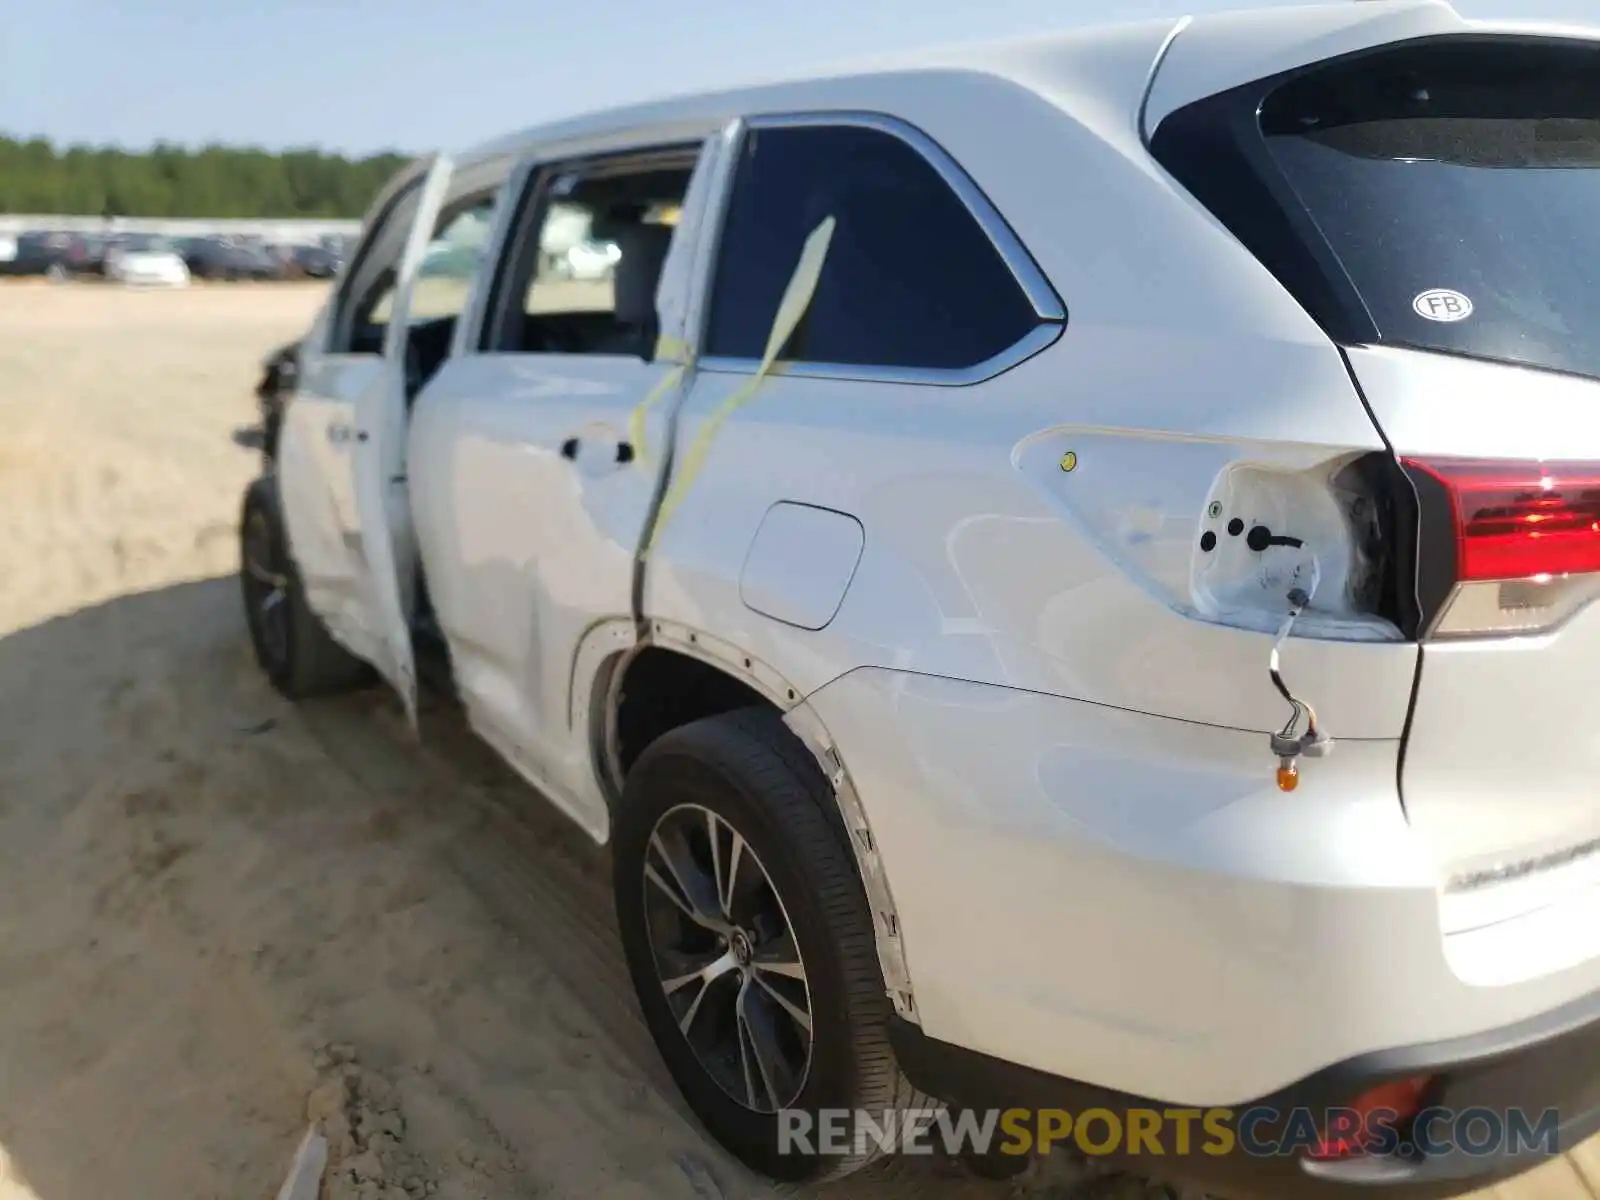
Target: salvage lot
x=204 y=887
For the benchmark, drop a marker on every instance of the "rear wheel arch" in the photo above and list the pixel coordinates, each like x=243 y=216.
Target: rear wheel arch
x=669 y=678
x=677 y=675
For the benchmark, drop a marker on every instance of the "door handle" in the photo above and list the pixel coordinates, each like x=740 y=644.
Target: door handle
x=338 y=434
x=570 y=448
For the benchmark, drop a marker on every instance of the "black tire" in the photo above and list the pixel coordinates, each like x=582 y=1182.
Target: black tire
x=751 y=772
x=291 y=645
x=270 y=431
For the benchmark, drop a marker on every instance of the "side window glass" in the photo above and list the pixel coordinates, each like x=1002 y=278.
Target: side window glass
x=912 y=280
x=361 y=313
x=448 y=266
x=591 y=257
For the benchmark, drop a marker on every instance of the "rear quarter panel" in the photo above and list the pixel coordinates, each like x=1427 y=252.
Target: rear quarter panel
x=1501 y=758
x=1180 y=353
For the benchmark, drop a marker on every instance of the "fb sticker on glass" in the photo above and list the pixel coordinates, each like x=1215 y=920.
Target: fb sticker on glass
x=1442 y=304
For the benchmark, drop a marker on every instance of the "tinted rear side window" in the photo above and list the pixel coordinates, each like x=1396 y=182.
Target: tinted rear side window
x=912 y=280
x=1455 y=187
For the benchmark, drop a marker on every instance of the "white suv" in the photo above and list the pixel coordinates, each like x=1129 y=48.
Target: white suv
x=942 y=556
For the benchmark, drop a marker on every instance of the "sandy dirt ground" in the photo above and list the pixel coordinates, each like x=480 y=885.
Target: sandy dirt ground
x=221 y=915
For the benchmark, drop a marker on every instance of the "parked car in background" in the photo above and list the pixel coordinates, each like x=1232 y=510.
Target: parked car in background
x=264 y=261
x=316 y=262
x=145 y=259
x=90 y=254
x=54 y=255
x=225 y=258
x=456 y=261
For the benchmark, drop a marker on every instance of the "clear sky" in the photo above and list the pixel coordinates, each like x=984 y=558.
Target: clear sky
x=361 y=75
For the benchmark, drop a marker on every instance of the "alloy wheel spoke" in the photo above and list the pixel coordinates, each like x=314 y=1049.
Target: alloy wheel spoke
x=746 y=1068
x=780 y=957
x=711 y=968
x=707 y=978
x=760 y=1040
x=689 y=888
x=728 y=877
x=714 y=837
x=694 y=1007
x=796 y=1014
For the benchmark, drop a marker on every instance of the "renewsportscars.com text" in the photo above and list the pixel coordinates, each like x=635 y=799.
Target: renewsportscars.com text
x=1217 y=1132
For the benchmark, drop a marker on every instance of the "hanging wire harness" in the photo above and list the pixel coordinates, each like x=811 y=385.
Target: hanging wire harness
x=1293 y=742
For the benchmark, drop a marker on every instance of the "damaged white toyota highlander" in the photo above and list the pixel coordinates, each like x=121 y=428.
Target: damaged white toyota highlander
x=1064 y=570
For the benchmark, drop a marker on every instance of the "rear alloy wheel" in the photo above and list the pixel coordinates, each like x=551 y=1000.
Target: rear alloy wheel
x=292 y=647
x=726 y=958
x=751 y=946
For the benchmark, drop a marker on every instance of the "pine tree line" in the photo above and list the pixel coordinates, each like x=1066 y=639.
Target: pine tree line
x=170 y=181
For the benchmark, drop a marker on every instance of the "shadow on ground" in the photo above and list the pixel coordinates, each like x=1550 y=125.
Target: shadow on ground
x=203 y=884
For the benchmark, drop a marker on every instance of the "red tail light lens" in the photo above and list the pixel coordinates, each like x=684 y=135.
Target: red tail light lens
x=1527 y=543
x=1517 y=520
x=1354 y=1128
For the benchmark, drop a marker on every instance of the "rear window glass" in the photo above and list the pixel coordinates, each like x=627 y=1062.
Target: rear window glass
x=911 y=280
x=1458 y=186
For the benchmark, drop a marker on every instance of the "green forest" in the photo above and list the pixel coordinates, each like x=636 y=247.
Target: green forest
x=170 y=181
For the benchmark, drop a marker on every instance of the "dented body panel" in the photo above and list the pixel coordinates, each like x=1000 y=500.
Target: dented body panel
x=1139 y=907
x=984 y=561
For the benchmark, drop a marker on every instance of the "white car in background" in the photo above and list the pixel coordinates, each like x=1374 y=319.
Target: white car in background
x=149 y=261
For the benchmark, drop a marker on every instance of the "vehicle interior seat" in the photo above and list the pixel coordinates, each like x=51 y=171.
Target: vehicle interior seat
x=636 y=276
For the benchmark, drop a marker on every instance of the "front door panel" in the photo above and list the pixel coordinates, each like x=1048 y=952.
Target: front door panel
x=318 y=493
x=377 y=459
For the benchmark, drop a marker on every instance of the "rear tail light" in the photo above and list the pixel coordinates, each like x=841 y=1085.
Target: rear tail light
x=1351 y=1131
x=1526 y=543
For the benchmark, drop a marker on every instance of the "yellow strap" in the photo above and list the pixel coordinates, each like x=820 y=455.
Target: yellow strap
x=666 y=347
x=796 y=300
